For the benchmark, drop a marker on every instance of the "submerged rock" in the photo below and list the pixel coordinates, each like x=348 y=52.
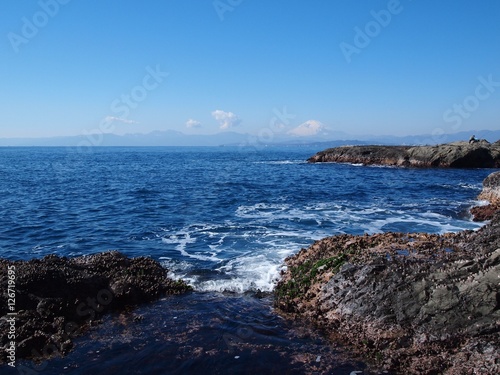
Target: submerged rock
x=58 y=298
x=412 y=303
x=481 y=154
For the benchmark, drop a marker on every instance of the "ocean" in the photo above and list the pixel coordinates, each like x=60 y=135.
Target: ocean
x=223 y=219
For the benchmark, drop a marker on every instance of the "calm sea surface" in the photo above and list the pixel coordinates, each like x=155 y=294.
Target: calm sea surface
x=221 y=218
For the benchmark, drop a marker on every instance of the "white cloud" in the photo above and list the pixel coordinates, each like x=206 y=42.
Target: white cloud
x=308 y=128
x=191 y=123
x=118 y=119
x=226 y=119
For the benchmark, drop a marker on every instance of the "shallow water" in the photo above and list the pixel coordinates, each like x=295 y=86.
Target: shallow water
x=200 y=333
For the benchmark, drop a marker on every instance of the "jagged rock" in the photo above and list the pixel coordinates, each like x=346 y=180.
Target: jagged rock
x=58 y=298
x=491 y=193
x=483 y=213
x=480 y=154
x=412 y=303
x=491 y=189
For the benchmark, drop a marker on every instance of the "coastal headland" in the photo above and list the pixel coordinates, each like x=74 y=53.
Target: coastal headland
x=479 y=154
x=408 y=303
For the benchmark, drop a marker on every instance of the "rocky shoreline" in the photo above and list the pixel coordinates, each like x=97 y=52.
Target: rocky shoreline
x=480 y=154
x=408 y=303
x=56 y=299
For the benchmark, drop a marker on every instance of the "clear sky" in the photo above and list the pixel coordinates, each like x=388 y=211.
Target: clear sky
x=405 y=67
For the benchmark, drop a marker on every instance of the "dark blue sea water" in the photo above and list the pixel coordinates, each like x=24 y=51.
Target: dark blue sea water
x=223 y=219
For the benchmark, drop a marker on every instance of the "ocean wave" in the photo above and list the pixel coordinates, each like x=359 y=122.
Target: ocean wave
x=281 y=162
x=247 y=254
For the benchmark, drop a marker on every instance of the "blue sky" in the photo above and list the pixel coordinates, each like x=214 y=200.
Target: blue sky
x=71 y=67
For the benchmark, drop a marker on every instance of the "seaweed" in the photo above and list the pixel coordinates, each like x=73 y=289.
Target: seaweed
x=304 y=275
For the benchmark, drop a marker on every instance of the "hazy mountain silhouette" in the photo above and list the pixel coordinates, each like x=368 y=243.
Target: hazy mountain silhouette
x=175 y=138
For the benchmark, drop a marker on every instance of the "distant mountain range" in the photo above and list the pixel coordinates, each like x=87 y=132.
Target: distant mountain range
x=175 y=138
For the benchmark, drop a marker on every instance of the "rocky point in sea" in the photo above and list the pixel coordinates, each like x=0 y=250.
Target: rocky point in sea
x=490 y=193
x=406 y=303
x=479 y=154
x=59 y=298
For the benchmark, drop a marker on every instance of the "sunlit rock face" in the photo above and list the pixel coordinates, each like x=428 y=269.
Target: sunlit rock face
x=415 y=303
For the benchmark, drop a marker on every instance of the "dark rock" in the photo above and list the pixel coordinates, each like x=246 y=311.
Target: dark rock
x=483 y=213
x=58 y=298
x=366 y=155
x=481 y=154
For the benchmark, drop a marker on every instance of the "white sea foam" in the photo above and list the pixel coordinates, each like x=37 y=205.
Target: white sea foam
x=281 y=162
x=440 y=226
x=251 y=272
x=481 y=202
x=477 y=186
x=257 y=268
x=263 y=210
x=182 y=240
x=247 y=253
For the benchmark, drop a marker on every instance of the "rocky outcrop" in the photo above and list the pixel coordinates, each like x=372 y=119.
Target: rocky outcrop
x=410 y=303
x=491 y=193
x=57 y=298
x=480 y=154
x=491 y=189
